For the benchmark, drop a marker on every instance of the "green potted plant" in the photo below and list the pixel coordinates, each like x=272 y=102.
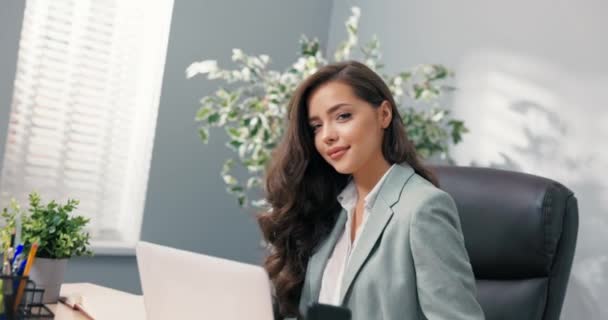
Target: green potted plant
x=60 y=235
x=252 y=108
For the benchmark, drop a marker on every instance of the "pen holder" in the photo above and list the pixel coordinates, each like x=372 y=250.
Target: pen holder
x=30 y=304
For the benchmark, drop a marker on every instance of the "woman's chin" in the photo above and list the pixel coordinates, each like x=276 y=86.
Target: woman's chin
x=342 y=168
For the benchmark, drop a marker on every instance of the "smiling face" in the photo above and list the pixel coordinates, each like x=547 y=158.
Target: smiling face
x=348 y=131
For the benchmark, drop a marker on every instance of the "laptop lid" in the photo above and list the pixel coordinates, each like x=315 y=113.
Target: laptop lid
x=179 y=284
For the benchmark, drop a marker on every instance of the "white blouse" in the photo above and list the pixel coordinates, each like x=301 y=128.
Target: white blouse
x=334 y=269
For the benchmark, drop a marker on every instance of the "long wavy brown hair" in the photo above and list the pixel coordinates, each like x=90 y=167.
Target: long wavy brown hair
x=302 y=188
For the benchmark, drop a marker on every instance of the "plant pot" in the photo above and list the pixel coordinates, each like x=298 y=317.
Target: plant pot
x=49 y=274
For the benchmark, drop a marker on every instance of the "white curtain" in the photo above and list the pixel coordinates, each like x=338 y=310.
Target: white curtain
x=84 y=109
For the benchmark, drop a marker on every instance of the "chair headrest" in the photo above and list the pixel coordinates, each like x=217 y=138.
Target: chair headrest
x=512 y=222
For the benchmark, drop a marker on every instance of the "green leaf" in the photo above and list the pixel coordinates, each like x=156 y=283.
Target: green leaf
x=418 y=90
x=213 y=118
x=241 y=200
x=405 y=75
x=223 y=94
x=203 y=113
x=234 y=144
x=56 y=220
x=439 y=72
x=266 y=137
x=253 y=181
x=227 y=166
x=233 y=114
x=203 y=133
x=229 y=180
x=234 y=133
x=235 y=189
x=255 y=130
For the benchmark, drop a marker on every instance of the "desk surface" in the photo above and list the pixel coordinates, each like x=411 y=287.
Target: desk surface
x=101 y=302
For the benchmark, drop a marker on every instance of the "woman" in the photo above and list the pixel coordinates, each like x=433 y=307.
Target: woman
x=356 y=219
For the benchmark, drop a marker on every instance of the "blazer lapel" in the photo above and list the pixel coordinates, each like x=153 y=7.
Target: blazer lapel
x=379 y=216
x=317 y=262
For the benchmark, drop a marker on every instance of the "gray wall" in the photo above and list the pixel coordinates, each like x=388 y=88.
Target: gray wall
x=532 y=79
x=11 y=16
x=186 y=205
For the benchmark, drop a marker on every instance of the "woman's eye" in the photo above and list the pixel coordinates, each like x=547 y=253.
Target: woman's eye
x=344 y=116
x=315 y=127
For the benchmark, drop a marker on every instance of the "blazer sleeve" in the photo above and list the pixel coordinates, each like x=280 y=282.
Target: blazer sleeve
x=444 y=277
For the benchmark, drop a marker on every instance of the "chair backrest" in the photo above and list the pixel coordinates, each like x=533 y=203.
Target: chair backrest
x=520 y=232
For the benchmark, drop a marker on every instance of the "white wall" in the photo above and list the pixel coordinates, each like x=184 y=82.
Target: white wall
x=533 y=80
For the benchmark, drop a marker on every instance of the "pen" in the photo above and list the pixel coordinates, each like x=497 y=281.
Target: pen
x=30 y=261
x=6 y=268
x=22 y=265
x=18 y=251
x=6 y=261
x=17 y=264
x=12 y=238
x=10 y=254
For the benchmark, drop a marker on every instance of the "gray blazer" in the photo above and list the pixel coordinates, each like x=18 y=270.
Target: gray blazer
x=410 y=261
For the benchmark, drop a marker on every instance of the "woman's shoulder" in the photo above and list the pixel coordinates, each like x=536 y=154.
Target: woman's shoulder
x=419 y=193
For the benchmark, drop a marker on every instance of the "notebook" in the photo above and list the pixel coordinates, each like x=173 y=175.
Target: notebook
x=179 y=284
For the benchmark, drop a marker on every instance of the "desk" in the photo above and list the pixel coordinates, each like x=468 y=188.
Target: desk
x=103 y=303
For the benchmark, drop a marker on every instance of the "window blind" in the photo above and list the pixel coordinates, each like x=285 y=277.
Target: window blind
x=84 y=110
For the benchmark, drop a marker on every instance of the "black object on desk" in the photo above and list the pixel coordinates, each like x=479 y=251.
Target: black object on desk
x=319 y=311
x=30 y=306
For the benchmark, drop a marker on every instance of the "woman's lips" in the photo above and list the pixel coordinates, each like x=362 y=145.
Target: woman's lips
x=335 y=155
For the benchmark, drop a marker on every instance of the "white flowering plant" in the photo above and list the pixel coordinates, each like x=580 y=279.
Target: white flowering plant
x=254 y=110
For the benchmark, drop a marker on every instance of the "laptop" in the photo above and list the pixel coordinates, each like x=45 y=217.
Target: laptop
x=179 y=284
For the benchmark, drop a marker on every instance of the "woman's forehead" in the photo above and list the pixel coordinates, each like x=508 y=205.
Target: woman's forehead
x=330 y=97
x=332 y=91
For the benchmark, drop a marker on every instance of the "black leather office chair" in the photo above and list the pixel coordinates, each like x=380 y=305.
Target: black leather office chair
x=520 y=232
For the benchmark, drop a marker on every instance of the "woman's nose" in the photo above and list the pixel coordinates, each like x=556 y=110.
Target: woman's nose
x=329 y=135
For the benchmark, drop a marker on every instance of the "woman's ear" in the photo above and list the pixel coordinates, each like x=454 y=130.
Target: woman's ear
x=385 y=114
